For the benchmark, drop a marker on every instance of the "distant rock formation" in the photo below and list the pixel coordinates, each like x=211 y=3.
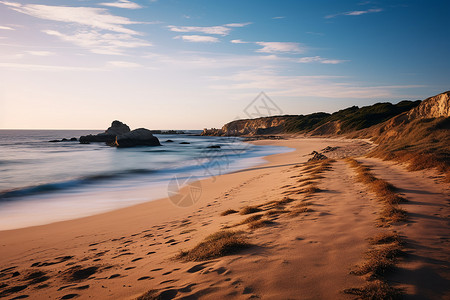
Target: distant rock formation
x=64 y=140
x=119 y=135
x=109 y=136
x=137 y=137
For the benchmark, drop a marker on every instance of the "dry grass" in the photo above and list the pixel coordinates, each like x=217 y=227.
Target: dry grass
x=259 y=224
x=251 y=219
x=391 y=214
x=375 y=290
x=228 y=212
x=422 y=144
x=380 y=260
x=311 y=189
x=310 y=178
x=385 y=238
x=215 y=245
x=276 y=212
x=249 y=210
x=385 y=192
x=298 y=211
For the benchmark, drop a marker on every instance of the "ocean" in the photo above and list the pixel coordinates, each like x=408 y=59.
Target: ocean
x=43 y=182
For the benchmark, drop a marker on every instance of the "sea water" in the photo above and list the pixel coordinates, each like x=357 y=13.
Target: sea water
x=43 y=182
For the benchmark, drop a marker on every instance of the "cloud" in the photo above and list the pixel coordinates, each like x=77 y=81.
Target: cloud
x=332 y=61
x=31 y=67
x=274 y=47
x=123 y=64
x=198 y=38
x=41 y=53
x=301 y=86
x=98 y=18
x=122 y=4
x=280 y=17
x=6 y=28
x=237 y=24
x=238 y=42
x=218 y=30
x=355 y=13
x=311 y=59
x=101 y=43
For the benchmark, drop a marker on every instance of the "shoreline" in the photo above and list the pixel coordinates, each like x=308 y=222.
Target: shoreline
x=82 y=201
x=132 y=249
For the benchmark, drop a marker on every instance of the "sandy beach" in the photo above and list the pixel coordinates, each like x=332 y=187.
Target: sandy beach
x=306 y=248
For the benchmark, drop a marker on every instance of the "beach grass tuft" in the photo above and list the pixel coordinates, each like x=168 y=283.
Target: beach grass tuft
x=375 y=290
x=249 y=210
x=218 y=244
x=228 y=212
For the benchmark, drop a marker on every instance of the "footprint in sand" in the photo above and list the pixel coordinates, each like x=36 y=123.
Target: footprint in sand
x=168 y=281
x=83 y=287
x=20 y=297
x=145 y=278
x=157 y=269
x=12 y=290
x=69 y=296
x=136 y=259
x=122 y=254
x=114 y=276
x=151 y=252
x=197 y=268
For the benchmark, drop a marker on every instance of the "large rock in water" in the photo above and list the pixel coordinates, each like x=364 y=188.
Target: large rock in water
x=137 y=137
x=109 y=136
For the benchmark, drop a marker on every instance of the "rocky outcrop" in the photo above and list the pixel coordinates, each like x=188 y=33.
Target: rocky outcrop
x=249 y=127
x=109 y=136
x=433 y=107
x=317 y=156
x=64 y=140
x=137 y=137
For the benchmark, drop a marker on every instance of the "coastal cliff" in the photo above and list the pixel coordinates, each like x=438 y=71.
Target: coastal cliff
x=341 y=122
x=265 y=125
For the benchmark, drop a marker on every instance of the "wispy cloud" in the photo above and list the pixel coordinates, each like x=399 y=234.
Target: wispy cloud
x=123 y=64
x=355 y=13
x=40 y=53
x=311 y=59
x=275 y=47
x=218 y=30
x=237 y=24
x=101 y=43
x=238 y=42
x=198 y=38
x=96 y=29
x=98 y=18
x=6 y=28
x=302 y=86
x=280 y=17
x=122 y=4
x=33 y=67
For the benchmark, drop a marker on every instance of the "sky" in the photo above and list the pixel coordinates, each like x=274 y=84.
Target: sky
x=192 y=64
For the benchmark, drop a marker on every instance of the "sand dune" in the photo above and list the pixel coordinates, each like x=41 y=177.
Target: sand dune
x=312 y=228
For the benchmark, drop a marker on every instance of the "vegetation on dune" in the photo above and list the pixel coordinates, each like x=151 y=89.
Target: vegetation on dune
x=215 y=245
x=351 y=119
x=423 y=144
x=385 y=192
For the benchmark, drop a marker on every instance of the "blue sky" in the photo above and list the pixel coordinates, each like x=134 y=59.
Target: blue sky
x=171 y=64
